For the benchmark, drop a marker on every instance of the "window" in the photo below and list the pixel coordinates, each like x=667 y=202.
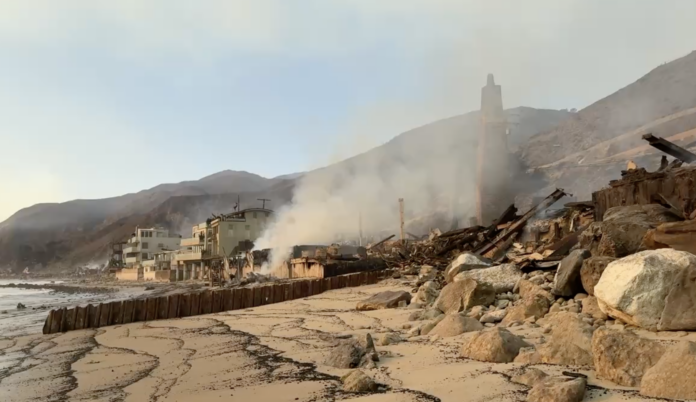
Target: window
x=160 y=245
x=146 y=245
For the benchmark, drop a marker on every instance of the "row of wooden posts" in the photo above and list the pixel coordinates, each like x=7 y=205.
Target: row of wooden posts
x=190 y=304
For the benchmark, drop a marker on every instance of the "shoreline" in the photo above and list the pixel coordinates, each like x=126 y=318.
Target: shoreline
x=274 y=352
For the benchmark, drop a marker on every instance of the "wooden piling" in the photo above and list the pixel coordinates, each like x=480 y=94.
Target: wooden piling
x=116 y=313
x=127 y=311
x=184 y=305
x=237 y=298
x=173 y=306
x=80 y=317
x=163 y=308
x=227 y=300
x=94 y=315
x=195 y=304
x=206 y=302
x=151 y=308
x=216 y=301
x=140 y=310
x=104 y=315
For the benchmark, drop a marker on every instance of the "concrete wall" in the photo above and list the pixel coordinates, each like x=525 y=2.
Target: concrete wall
x=160 y=276
x=127 y=274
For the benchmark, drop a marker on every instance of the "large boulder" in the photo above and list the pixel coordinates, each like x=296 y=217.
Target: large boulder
x=495 y=345
x=427 y=293
x=382 y=300
x=591 y=271
x=623 y=357
x=673 y=375
x=530 y=377
x=453 y=325
x=463 y=295
x=353 y=353
x=464 y=262
x=653 y=289
x=503 y=277
x=567 y=280
x=570 y=340
x=357 y=381
x=622 y=229
x=676 y=235
x=528 y=289
x=558 y=390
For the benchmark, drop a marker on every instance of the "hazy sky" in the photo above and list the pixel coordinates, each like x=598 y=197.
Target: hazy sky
x=100 y=98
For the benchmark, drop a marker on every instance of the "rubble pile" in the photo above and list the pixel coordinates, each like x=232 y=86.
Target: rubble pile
x=591 y=291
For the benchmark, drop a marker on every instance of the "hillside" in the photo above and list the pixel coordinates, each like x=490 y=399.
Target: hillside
x=79 y=231
x=666 y=90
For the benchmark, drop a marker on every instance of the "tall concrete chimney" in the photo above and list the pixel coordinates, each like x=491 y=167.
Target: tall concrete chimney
x=493 y=158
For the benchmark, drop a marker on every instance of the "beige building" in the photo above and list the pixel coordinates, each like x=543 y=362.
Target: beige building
x=224 y=236
x=140 y=250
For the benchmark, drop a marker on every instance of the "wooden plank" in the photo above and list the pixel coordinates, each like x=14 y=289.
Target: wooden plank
x=327 y=284
x=151 y=307
x=116 y=314
x=94 y=314
x=206 y=302
x=248 y=298
x=195 y=304
x=173 y=306
x=256 y=296
x=237 y=298
x=104 y=314
x=290 y=291
x=47 y=324
x=140 y=310
x=184 y=305
x=334 y=283
x=278 y=293
x=57 y=319
x=216 y=306
x=163 y=308
x=80 y=317
x=310 y=287
x=267 y=296
x=70 y=321
x=342 y=281
x=227 y=300
x=128 y=311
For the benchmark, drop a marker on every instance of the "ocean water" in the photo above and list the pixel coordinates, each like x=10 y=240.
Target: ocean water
x=39 y=302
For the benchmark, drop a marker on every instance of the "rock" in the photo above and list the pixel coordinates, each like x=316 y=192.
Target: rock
x=427 y=327
x=464 y=262
x=528 y=355
x=673 y=375
x=435 y=338
x=406 y=326
x=357 y=381
x=622 y=357
x=555 y=308
x=534 y=305
x=415 y=331
x=528 y=289
x=570 y=342
x=502 y=304
x=431 y=314
x=580 y=297
x=463 y=295
x=591 y=271
x=530 y=377
x=591 y=308
x=476 y=312
x=503 y=277
x=537 y=280
x=495 y=345
x=382 y=300
x=389 y=338
x=415 y=316
x=21 y=306
x=494 y=316
x=427 y=293
x=653 y=289
x=455 y=324
x=415 y=306
x=622 y=229
x=567 y=280
x=347 y=354
x=426 y=273
x=558 y=390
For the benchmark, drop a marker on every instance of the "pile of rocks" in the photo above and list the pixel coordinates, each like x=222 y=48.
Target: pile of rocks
x=588 y=310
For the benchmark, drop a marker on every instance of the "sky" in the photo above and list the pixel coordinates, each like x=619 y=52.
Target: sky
x=101 y=98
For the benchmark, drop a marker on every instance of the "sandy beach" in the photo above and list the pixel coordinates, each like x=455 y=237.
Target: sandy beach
x=270 y=353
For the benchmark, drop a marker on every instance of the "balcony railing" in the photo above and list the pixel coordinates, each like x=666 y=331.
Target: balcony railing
x=131 y=249
x=195 y=255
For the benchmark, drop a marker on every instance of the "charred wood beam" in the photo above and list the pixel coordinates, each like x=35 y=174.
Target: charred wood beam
x=456 y=244
x=379 y=243
x=561 y=247
x=670 y=148
x=460 y=231
x=508 y=215
x=519 y=224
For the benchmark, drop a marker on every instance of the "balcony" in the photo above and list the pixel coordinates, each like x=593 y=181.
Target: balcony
x=191 y=241
x=192 y=256
x=131 y=260
x=131 y=249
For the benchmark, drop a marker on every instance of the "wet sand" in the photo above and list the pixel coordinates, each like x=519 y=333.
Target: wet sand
x=269 y=353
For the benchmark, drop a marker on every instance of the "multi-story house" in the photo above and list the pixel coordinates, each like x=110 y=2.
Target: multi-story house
x=146 y=242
